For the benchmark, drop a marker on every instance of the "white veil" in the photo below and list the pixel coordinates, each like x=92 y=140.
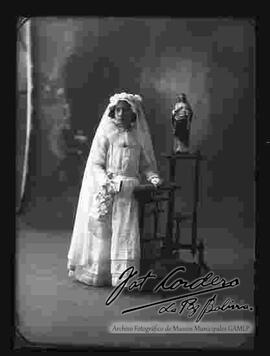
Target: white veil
x=83 y=226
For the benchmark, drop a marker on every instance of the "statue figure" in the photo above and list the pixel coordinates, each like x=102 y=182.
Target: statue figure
x=181 y=123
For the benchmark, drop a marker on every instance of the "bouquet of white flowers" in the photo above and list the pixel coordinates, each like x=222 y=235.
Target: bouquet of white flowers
x=103 y=200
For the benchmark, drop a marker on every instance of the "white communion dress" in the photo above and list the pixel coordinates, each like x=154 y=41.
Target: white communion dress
x=103 y=248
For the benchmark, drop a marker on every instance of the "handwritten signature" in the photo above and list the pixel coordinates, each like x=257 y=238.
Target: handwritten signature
x=189 y=303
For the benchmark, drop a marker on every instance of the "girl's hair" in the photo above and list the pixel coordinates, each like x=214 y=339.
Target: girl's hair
x=112 y=114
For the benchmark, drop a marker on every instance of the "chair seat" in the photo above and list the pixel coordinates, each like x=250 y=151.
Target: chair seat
x=178 y=217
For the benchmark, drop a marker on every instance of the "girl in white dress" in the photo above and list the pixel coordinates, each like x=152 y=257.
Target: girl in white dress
x=105 y=239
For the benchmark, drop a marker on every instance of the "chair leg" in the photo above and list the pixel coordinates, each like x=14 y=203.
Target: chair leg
x=177 y=233
x=202 y=265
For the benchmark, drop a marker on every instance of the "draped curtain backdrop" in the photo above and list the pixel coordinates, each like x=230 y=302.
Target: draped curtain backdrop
x=24 y=106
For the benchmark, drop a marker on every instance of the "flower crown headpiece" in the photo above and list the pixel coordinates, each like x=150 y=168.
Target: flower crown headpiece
x=132 y=98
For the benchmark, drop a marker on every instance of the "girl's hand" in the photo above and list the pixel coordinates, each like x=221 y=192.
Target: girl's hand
x=156 y=181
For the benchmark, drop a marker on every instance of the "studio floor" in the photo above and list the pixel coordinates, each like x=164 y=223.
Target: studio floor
x=52 y=309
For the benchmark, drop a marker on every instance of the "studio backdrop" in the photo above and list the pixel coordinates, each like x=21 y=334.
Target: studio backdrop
x=78 y=63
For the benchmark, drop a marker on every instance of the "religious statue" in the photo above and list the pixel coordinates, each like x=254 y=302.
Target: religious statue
x=181 y=123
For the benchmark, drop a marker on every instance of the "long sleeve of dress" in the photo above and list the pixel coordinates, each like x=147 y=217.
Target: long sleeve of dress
x=99 y=154
x=147 y=167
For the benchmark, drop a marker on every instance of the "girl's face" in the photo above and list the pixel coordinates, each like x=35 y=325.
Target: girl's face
x=123 y=114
